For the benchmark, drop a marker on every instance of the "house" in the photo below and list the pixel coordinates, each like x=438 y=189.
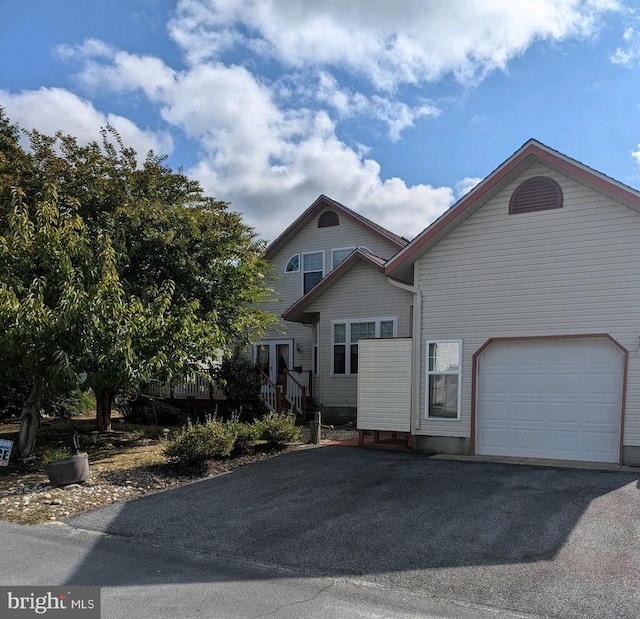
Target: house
x=526 y=321
x=331 y=290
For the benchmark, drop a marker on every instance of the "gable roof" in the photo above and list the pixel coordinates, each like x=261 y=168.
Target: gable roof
x=296 y=313
x=322 y=203
x=530 y=153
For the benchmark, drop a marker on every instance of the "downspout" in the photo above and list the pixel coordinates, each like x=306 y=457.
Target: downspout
x=416 y=338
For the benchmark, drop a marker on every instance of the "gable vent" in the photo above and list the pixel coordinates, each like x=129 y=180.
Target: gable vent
x=328 y=219
x=539 y=193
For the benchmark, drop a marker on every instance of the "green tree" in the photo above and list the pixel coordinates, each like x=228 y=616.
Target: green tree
x=45 y=268
x=185 y=274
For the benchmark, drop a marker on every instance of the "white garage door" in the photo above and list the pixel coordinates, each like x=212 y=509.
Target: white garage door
x=557 y=399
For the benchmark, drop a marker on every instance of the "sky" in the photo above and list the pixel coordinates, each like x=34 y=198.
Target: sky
x=395 y=109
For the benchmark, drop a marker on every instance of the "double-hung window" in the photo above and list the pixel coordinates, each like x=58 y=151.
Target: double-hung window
x=312 y=270
x=346 y=334
x=444 y=362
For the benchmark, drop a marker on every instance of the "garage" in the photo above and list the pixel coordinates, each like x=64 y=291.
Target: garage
x=550 y=398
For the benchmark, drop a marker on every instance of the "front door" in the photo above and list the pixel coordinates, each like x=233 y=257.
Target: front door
x=273 y=357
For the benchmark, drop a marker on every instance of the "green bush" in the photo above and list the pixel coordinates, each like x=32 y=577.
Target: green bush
x=75 y=402
x=63 y=403
x=245 y=435
x=240 y=381
x=278 y=430
x=197 y=443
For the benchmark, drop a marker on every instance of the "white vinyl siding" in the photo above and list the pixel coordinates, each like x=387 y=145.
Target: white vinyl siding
x=557 y=272
x=384 y=385
x=351 y=298
x=288 y=286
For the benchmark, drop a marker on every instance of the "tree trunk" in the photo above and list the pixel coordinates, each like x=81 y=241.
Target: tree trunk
x=30 y=420
x=104 y=400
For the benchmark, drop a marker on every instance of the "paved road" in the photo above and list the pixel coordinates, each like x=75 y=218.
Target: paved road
x=550 y=542
x=148 y=582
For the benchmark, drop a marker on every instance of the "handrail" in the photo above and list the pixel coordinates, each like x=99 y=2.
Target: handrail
x=295 y=392
x=270 y=393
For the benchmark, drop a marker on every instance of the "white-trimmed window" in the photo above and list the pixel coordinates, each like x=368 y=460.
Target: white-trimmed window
x=312 y=270
x=340 y=255
x=293 y=266
x=345 y=336
x=444 y=364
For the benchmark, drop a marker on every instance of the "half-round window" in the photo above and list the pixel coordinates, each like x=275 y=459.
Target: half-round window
x=539 y=193
x=328 y=219
x=293 y=266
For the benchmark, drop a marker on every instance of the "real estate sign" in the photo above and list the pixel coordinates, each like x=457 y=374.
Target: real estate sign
x=5 y=451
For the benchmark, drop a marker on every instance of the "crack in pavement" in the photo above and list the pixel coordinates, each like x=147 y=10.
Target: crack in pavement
x=296 y=603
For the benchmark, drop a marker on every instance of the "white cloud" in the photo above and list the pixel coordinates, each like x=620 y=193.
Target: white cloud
x=628 y=55
x=271 y=146
x=270 y=161
x=89 y=48
x=464 y=186
x=403 y=209
x=397 y=115
x=273 y=194
x=52 y=109
x=388 y=43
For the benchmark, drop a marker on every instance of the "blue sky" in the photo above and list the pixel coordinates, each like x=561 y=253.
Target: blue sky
x=394 y=109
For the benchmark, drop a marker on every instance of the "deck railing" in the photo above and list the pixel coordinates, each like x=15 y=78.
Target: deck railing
x=199 y=387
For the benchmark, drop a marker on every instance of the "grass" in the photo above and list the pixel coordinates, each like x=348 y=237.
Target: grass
x=128 y=442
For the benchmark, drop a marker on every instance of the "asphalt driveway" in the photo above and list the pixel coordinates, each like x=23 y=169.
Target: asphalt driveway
x=547 y=541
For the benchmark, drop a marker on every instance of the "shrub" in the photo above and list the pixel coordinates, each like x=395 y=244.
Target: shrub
x=63 y=403
x=245 y=435
x=278 y=430
x=75 y=402
x=240 y=381
x=197 y=443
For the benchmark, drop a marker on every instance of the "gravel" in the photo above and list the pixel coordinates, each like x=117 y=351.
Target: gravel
x=32 y=500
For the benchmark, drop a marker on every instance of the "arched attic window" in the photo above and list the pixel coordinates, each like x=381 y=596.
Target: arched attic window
x=293 y=266
x=328 y=219
x=539 y=193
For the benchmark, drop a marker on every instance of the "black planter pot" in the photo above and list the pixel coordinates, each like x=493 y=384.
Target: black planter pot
x=71 y=470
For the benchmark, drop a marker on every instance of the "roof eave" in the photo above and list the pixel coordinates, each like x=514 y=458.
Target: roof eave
x=325 y=202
